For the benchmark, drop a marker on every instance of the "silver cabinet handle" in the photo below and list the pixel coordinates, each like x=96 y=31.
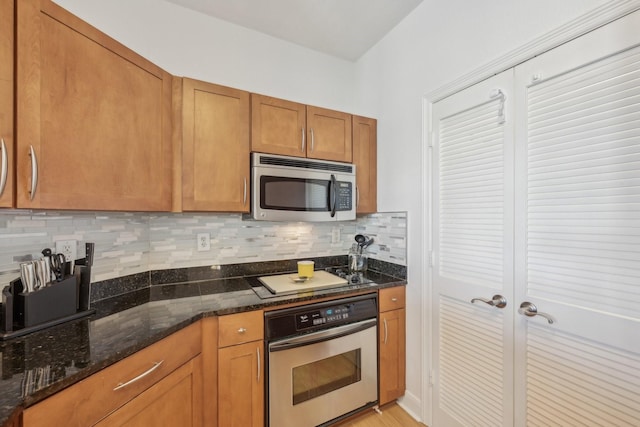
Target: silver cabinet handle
x=34 y=173
x=242 y=330
x=258 y=359
x=394 y=299
x=529 y=309
x=496 y=301
x=386 y=330
x=244 y=195
x=139 y=377
x=313 y=140
x=4 y=166
x=303 y=139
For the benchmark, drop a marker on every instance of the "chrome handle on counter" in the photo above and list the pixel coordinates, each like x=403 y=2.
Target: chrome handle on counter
x=386 y=330
x=303 y=139
x=496 y=301
x=259 y=364
x=244 y=194
x=34 y=173
x=139 y=377
x=5 y=167
x=529 y=309
x=242 y=330
x=313 y=140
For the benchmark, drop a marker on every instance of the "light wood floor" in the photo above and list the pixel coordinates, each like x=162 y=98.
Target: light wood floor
x=392 y=416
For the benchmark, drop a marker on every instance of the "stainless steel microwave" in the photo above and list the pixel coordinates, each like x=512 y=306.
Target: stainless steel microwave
x=298 y=189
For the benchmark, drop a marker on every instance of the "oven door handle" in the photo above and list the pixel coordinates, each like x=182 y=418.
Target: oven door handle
x=316 y=337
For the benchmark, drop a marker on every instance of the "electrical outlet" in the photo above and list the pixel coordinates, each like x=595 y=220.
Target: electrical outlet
x=335 y=235
x=68 y=248
x=203 y=242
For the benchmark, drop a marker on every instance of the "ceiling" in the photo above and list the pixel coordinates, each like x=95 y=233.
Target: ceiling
x=342 y=28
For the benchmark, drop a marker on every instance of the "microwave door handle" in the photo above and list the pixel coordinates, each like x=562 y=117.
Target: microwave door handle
x=333 y=187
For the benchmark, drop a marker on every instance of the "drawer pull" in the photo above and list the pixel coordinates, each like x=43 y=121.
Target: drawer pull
x=394 y=299
x=139 y=377
x=242 y=330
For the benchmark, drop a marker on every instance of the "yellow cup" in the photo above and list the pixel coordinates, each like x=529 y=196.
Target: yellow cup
x=305 y=268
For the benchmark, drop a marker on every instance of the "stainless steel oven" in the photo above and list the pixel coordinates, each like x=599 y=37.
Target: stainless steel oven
x=321 y=361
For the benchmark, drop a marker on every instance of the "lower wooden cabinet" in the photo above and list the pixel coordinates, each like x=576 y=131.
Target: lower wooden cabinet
x=176 y=400
x=392 y=341
x=241 y=370
x=139 y=388
x=241 y=385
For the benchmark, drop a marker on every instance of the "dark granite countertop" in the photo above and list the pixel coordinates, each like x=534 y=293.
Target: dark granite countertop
x=40 y=364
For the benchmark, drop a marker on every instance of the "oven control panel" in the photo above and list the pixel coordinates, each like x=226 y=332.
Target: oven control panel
x=307 y=318
x=321 y=317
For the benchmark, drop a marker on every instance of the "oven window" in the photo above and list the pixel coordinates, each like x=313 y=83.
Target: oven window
x=294 y=194
x=326 y=375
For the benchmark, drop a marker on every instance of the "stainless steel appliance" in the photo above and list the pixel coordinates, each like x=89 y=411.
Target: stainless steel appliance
x=297 y=189
x=322 y=361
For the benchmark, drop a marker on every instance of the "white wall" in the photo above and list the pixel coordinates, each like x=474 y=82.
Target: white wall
x=188 y=43
x=438 y=42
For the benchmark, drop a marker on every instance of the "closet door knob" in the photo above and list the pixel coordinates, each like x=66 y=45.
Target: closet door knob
x=497 y=301
x=529 y=309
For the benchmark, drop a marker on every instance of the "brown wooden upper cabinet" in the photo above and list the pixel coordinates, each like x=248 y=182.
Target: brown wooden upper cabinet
x=288 y=128
x=215 y=148
x=93 y=118
x=365 y=158
x=6 y=104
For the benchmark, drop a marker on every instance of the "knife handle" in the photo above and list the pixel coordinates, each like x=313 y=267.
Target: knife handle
x=90 y=248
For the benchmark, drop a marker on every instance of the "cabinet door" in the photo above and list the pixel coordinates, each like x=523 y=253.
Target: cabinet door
x=277 y=126
x=329 y=134
x=365 y=157
x=392 y=355
x=215 y=148
x=176 y=400
x=94 y=115
x=241 y=385
x=6 y=104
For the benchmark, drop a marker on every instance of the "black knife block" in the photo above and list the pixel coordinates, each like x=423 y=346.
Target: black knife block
x=46 y=304
x=22 y=313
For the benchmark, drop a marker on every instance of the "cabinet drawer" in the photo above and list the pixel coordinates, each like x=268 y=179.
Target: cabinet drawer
x=392 y=298
x=90 y=400
x=240 y=328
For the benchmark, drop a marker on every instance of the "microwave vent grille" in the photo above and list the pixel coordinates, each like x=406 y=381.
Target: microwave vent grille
x=306 y=164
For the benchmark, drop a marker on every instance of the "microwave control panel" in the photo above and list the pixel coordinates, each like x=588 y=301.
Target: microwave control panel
x=344 y=194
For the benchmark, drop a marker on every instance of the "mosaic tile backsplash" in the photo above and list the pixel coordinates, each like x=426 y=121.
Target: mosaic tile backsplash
x=130 y=243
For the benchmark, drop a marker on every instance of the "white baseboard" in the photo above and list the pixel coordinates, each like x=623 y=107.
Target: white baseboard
x=412 y=405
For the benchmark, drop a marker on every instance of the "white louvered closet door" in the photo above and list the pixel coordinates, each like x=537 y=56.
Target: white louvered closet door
x=578 y=231
x=473 y=255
